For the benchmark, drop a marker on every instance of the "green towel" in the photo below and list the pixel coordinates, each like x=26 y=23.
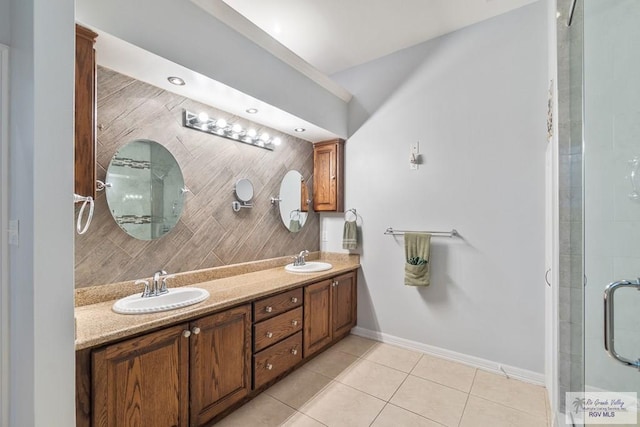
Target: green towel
x=294 y=225
x=350 y=235
x=416 y=250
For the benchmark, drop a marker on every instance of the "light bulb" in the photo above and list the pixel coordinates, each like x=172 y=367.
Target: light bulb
x=264 y=137
x=203 y=117
x=277 y=141
x=221 y=123
x=251 y=133
x=237 y=128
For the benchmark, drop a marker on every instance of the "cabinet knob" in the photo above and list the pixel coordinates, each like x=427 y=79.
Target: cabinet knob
x=294 y=323
x=333 y=177
x=186 y=333
x=335 y=283
x=269 y=334
x=294 y=300
x=268 y=309
x=294 y=351
x=195 y=330
x=268 y=366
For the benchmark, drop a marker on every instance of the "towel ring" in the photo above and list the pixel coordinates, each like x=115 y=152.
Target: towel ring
x=352 y=211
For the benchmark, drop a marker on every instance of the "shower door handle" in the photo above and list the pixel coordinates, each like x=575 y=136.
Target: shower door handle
x=609 y=310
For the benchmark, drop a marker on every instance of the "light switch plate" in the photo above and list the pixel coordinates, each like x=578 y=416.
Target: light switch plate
x=414 y=156
x=14 y=232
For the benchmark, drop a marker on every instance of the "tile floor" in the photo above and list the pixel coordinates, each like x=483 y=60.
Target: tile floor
x=359 y=382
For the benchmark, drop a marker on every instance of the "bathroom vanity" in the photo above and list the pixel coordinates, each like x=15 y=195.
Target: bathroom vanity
x=193 y=365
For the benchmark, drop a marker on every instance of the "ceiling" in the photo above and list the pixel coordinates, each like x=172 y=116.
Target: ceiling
x=316 y=37
x=333 y=35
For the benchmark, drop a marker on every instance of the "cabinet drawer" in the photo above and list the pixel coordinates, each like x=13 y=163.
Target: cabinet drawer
x=272 y=330
x=277 y=304
x=275 y=360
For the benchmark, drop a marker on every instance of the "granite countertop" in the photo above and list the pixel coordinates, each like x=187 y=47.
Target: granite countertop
x=98 y=324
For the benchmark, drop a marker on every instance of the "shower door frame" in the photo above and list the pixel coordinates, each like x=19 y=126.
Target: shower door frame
x=4 y=248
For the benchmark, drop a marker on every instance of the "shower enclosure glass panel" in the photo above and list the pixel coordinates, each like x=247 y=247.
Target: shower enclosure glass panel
x=611 y=188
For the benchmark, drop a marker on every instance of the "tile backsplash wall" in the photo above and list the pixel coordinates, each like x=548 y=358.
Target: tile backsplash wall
x=209 y=232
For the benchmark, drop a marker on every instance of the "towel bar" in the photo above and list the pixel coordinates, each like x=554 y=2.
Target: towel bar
x=452 y=233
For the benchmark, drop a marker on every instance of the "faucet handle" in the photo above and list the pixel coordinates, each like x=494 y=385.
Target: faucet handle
x=146 y=291
x=163 y=287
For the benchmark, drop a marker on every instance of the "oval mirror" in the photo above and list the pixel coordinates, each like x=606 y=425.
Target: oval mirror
x=294 y=201
x=145 y=189
x=244 y=190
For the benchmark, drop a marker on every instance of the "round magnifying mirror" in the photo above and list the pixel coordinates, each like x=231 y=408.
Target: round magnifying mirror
x=244 y=190
x=145 y=191
x=294 y=203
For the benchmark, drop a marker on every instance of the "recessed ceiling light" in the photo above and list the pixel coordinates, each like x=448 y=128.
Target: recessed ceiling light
x=176 y=81
x=299 y=129
x=252 y=110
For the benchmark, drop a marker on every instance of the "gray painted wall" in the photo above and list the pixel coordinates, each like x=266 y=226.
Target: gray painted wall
x=476 y=101
x=41 y=197
x=5 y=21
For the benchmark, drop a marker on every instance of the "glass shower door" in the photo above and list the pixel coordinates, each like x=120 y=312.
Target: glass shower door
x=612 y=195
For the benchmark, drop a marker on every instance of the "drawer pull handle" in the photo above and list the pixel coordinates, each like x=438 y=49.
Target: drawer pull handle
x=186 y=333
x=294 y=351
x=268 y=309
x=268 y=366
x=195 y=330
x=294 y=300
x=335 y=283
x=294 y=323
x=269 y=334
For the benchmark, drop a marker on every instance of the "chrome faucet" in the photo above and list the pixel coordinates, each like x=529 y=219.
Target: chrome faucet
x=158 y=287
x=299 y=260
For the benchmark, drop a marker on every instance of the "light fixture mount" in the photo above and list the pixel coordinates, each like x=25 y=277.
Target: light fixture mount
x=232 y=131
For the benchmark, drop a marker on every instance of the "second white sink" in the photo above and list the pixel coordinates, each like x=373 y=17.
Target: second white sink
x=309 y=267
x=175 y=298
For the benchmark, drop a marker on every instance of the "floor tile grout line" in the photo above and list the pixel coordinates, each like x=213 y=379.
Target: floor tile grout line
x=510 y=407
x=466 y=402
x=378 y=414
x=415 y=413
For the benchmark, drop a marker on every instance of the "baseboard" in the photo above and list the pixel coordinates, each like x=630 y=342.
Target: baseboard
x=476 y=362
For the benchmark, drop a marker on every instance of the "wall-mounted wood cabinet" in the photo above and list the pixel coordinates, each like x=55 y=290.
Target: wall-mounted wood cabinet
x=328 y=176
x=329 y=311
x=85 y=113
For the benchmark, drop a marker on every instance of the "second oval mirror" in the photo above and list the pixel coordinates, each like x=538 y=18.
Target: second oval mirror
x=294 y=201
x=145 y=189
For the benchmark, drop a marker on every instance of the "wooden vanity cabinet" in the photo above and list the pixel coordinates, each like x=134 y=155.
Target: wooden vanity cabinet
x=328 y=176
x=194 y=373
x=329 y=311
x=277 y=336
x=220 y=362
x=85 y=112
x=142 y=381
x=179 y=376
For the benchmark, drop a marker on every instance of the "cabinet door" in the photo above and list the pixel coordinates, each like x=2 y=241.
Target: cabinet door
x=317 y=316
x=142 y=381
x=85 y=113
x=344 y=299
x=220 y=362
x=328 y=176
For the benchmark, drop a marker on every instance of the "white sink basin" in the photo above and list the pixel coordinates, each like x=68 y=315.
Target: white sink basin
x=175 y=298
x=309 y=267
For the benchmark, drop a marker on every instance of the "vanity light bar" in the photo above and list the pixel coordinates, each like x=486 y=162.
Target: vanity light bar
x=235 y=132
